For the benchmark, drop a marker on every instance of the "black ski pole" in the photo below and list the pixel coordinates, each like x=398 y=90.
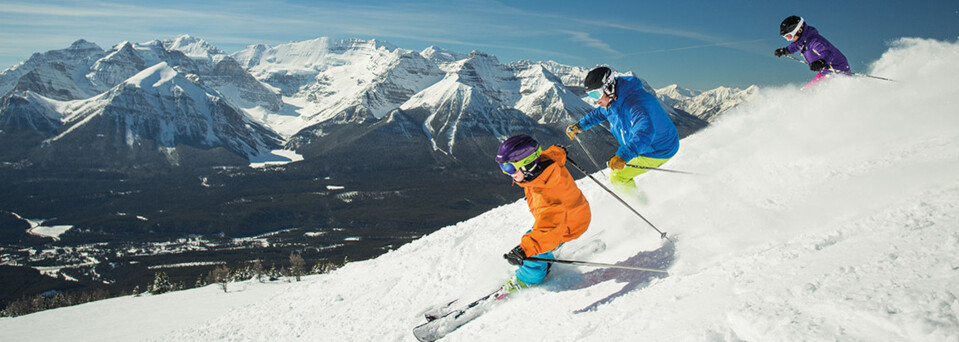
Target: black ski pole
x=845 y=72
x=595 y=264
x=661 y=233
x=664 y=170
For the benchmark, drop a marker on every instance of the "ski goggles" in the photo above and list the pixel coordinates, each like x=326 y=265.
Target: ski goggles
x=595 y=94
x=511 y=167
x=608 y=83
x=792 y=34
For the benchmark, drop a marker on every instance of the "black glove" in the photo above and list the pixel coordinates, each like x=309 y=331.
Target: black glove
x=515 y=256
x=818 y=65
x=781 y=52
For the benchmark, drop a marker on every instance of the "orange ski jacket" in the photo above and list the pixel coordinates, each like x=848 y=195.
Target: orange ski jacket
x=559 y=207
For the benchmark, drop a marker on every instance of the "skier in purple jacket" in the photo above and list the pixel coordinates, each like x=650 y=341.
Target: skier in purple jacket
x=822 y=57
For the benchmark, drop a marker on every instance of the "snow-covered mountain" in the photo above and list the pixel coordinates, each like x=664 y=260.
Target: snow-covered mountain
x=57 y=74
x=848 y=234
x=475 y=100
x=325 y=78
x=84 y=75
x=673 y=94
x=157 y=109
x=706 y=105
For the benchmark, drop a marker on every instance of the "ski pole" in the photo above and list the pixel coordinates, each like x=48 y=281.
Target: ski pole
x=661 y=233
x=664 y=170
x=844 y=72
x=595 y=264
x=588 y=154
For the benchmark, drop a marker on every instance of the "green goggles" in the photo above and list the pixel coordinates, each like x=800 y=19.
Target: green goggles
x=511 y=167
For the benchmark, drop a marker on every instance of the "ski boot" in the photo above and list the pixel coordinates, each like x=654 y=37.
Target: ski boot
x=511 y=286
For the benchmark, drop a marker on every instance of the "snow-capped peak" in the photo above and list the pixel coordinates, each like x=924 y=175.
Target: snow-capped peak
x=676 y=92
x=82 y=44
x=440 y=55
x=704 y=104
x=162 y=78
x=193 y=47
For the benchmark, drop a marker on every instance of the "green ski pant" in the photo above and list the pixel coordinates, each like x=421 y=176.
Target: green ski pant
x=623 y=179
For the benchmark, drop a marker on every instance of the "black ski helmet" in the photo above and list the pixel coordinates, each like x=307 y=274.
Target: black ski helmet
x=789 y=24
x=599 y=77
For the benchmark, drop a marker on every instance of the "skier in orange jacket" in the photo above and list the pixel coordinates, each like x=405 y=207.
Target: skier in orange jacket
x=559 y=207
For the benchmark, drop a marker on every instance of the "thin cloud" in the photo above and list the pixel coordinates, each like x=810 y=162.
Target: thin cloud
x=98 y=10
x=585 y=38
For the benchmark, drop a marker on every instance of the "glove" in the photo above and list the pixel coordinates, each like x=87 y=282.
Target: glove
x=573 y=130
x=515 y=256
x=781 y=52
x=818 y=65
x=617 y=163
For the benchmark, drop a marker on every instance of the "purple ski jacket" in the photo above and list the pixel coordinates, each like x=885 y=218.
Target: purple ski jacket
x=815 y=47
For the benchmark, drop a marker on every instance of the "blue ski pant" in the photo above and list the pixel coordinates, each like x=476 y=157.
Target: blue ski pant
x=533 y=272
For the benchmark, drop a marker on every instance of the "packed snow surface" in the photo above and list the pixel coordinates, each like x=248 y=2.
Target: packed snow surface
x=824 y=214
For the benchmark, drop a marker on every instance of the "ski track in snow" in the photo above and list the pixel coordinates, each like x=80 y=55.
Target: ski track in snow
x=826 y=214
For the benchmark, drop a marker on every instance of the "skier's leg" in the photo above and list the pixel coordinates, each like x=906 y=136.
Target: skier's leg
x=622 y=179
x=819 y=77
x=533 y=272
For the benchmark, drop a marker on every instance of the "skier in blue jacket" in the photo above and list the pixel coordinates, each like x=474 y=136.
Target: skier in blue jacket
x=646 y=135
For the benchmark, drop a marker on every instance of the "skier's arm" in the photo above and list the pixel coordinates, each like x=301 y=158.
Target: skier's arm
x=593 y=118
x=793 y=47
x=545 y=235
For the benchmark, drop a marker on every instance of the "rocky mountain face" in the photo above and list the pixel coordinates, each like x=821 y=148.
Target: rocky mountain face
x=142 y=120
x=57 y=74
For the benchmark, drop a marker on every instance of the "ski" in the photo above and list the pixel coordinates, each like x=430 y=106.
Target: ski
x=444 y=323
x=439 y=310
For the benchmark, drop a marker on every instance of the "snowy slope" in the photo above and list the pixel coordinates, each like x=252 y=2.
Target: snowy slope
x=829 y=214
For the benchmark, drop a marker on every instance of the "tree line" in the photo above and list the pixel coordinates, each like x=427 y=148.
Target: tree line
x=221 y=275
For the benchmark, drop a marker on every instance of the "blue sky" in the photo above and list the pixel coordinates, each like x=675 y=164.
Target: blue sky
x=696 y=44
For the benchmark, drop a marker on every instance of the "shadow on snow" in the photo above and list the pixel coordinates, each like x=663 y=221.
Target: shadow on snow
x=660 y=258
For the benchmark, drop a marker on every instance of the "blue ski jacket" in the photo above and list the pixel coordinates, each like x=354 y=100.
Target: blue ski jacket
x=638 y=122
